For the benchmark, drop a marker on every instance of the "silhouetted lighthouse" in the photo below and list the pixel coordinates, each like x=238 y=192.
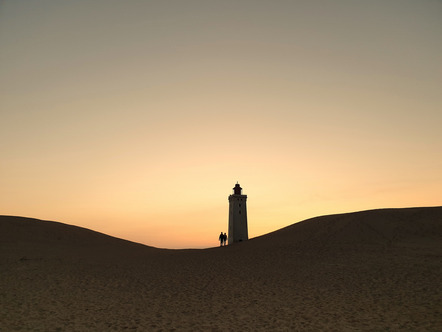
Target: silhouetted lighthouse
x=237 y=216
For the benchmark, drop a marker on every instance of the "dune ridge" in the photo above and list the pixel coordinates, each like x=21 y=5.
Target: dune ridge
x=369 y=270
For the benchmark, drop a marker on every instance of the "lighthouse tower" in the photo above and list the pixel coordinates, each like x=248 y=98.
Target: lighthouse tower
x=237 y=216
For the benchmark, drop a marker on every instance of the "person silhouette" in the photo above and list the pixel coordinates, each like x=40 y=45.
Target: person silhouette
x=225 y=239
x=221 y=239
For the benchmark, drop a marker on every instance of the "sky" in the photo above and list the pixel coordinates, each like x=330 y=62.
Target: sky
x=137 y=118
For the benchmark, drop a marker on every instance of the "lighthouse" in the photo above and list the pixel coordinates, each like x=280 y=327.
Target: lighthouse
x=237 y=216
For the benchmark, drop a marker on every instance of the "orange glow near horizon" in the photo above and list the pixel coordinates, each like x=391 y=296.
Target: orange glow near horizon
x=136 y=119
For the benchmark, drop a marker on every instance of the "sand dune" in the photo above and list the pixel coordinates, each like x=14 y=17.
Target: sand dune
x=373 y=271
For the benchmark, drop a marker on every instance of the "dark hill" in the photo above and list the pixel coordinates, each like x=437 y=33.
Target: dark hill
x=28 y=238
x=381 y=227
x=376 y=270
x=378 y=229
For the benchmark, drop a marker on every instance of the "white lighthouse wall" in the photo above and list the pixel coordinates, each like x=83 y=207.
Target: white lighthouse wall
x=238 y=230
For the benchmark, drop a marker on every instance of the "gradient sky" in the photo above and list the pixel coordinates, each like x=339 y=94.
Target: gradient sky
x=136 y=118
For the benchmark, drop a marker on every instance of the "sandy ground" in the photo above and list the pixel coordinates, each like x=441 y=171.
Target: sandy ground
x=378 y=270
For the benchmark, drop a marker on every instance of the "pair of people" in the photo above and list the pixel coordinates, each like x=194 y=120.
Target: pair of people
x=222 y=239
